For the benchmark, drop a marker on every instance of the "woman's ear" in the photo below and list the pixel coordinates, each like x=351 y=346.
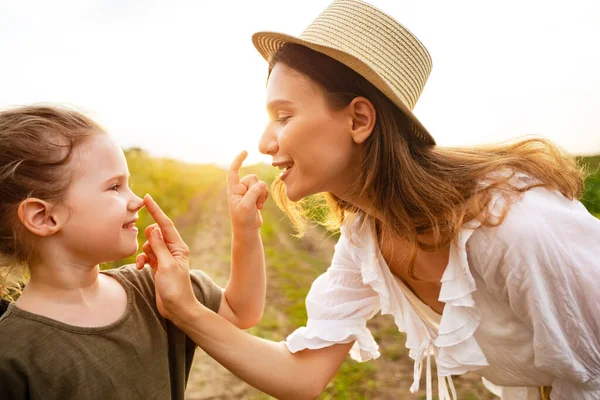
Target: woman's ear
x=38 y=217
x=363 y=119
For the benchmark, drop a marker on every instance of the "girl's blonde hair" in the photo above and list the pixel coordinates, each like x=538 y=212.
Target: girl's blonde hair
x=418 y=188
x=36 y=144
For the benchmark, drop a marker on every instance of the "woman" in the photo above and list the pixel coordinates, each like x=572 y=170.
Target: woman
x=483 y=256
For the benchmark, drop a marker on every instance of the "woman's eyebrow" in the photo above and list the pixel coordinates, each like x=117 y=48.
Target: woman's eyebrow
x=278 y=102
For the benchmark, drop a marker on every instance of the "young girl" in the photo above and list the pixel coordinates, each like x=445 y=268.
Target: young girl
x=76 y=332
x=483 y=256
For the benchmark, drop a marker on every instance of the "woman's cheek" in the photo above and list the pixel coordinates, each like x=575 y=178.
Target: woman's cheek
x=286 y=139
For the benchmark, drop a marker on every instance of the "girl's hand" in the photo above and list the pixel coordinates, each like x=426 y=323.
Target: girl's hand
x=246 y=197
x=168 y=256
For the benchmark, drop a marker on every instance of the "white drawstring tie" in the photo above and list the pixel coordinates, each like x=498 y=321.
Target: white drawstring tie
x=444 y=382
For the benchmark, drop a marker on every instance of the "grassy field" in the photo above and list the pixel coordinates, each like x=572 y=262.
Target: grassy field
x=194 y=196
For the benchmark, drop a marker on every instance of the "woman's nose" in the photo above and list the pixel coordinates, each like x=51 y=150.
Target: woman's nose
x=268 y=143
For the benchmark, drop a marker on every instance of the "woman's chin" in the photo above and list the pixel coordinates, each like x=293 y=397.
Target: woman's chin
x=292 y=194
x=296 y=194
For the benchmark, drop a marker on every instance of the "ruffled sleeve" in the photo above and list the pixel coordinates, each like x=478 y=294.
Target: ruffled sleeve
x=339 y=306
x=549 y=272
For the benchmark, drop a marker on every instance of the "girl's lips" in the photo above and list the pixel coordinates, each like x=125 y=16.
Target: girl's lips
x=130 y=226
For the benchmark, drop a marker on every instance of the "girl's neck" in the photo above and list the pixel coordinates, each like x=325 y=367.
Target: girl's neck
x=76 y=295
x=67 y=282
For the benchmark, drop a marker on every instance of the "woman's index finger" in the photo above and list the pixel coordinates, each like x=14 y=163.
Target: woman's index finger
x=233 y=175
x=169 y=232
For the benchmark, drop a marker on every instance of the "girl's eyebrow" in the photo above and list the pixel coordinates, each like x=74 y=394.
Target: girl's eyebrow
x=121 y=177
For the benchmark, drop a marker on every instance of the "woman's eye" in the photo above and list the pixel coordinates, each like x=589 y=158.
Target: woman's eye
x=283 y=119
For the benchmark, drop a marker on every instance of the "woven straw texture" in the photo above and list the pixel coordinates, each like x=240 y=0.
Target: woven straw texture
x=371 y=43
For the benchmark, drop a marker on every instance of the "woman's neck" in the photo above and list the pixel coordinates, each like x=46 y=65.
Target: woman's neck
x=362 y=203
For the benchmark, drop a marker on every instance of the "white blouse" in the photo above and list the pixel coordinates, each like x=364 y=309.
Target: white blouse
x=522 y=306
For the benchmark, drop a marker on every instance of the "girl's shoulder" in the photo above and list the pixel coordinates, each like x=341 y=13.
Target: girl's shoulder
x=18 y=333
x=141 y=280
x=3 y=306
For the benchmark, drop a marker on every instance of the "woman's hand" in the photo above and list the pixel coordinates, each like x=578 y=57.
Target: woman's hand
x=168 y=256
x=246 y=197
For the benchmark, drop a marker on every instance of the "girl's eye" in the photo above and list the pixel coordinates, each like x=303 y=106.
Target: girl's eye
x=115 y=187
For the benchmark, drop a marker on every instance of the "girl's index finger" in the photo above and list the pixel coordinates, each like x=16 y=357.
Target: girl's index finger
x=233 y=175
x=169 y=232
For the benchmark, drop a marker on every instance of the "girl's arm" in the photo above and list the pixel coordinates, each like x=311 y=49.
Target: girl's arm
x=244 y=297
x=266 y=365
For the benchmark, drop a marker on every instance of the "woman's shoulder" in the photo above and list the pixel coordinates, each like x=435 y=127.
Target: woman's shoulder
x=526 y=227
x=535 y=213
x=520 y=204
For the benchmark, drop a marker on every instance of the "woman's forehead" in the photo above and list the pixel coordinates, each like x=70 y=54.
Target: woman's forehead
x=287 y=84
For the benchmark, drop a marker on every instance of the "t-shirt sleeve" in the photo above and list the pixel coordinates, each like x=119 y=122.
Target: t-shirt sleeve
x=549 y=271
x=339 y=306
x=206 y=290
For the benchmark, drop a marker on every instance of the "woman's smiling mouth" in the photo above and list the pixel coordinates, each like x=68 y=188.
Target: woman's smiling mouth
x=285 y=167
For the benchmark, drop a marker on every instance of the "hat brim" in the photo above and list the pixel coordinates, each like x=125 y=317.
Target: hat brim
x=267 y=44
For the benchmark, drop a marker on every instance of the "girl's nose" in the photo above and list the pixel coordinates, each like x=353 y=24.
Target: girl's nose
x=268 y=143
x=136 y=204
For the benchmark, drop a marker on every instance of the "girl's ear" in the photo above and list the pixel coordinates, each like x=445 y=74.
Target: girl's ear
x=38 y=217
x=363 y=115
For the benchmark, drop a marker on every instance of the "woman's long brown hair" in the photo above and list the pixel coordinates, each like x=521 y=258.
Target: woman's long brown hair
x=419 y=188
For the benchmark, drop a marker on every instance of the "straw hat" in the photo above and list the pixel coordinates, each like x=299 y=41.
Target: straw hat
x=371 y=43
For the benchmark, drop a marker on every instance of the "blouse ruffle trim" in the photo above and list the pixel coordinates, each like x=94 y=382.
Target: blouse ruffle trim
x=404 y=316
x=318 y=334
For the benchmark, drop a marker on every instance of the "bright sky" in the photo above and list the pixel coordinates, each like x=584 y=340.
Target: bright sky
x=182 y=78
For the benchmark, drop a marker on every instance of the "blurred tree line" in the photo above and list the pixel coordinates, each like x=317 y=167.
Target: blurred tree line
x=591 y=195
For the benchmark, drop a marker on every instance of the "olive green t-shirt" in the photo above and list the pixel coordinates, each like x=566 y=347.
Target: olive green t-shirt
x=140 y=356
